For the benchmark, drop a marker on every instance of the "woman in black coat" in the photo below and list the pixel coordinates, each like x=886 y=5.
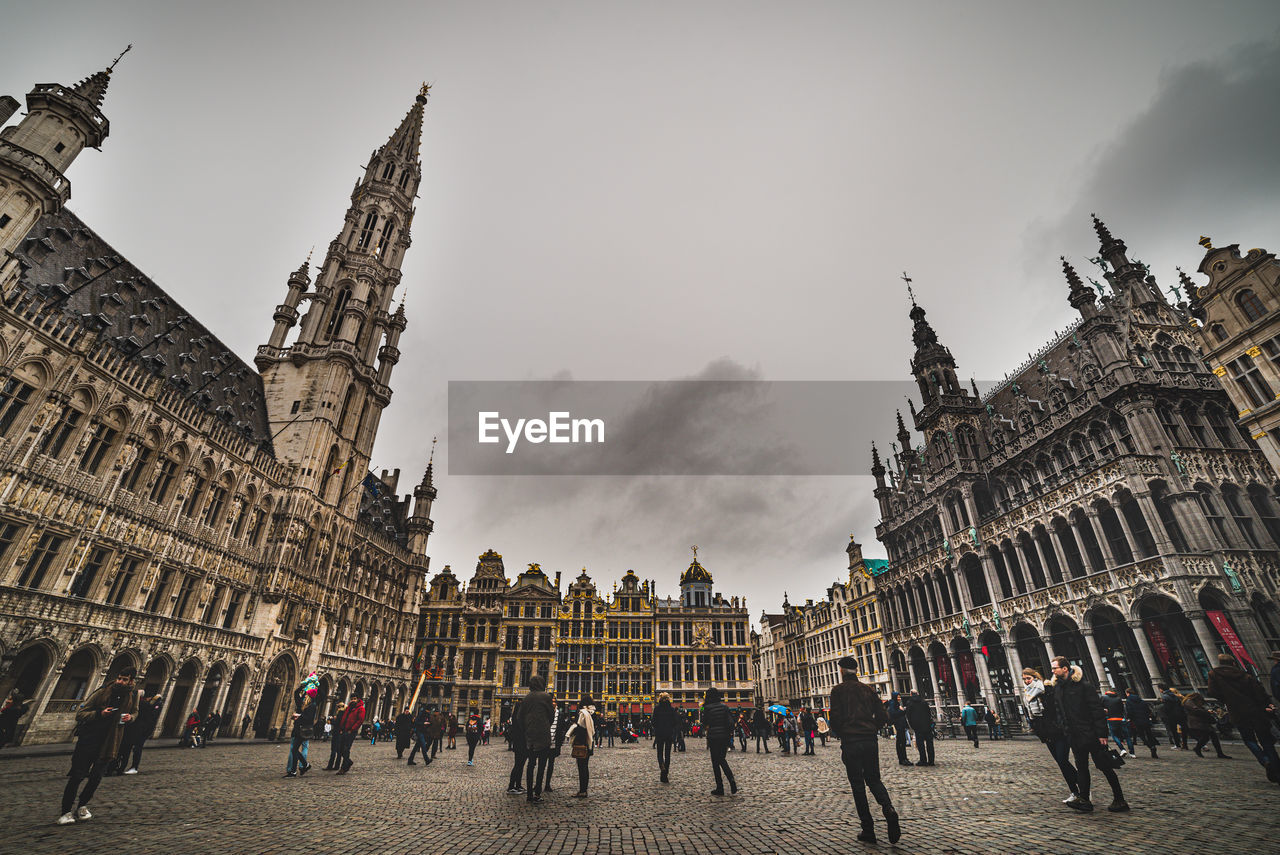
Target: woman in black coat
x=717 y=720
x=404 y=732
x=665 y=724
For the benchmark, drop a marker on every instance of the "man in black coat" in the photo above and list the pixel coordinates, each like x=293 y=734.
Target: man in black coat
x=898 y=718
x=763 y=732
x=1250 y=709
x=856 y=717
x=515 y=736
x=1083 y=720
x=421 y=737
x=1173 y=716
x=404 y=732
x=920 y=717
x=808 y=724
x=1139 y=715
x=536 y=713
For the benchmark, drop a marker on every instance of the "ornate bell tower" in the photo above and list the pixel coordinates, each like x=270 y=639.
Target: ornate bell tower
x=327 y=390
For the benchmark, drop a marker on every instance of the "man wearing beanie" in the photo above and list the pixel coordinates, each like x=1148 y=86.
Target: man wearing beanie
x=856 y=716
x=99 y=723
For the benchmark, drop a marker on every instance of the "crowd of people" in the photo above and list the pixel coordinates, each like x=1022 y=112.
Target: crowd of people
x=1083 y=728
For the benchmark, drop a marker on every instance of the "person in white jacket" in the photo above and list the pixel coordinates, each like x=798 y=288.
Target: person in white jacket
x=582 y=736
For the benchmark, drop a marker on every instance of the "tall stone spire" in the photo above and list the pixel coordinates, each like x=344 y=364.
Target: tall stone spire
x=94 y=87
x=1080 y=296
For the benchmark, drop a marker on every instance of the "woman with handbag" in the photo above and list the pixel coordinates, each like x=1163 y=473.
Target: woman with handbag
x=582 y=738
x=1044 y=724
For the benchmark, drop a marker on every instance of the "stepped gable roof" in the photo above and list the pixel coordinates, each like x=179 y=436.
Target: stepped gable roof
x=66 y=261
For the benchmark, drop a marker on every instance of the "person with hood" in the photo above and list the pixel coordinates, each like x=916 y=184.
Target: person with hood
x=536 y=714
x=100 y=722
x=1083 y=720
x=15 y=707
x=717 y=720
x=304 y=723
x=920 y=718
x=515 y=738
x=1117 y=726
x=582 y=738
x=1173 y=716
x=763 y=732
x=138 y=731
x=404 y=732
x=969 y=719
x=1201 y=725
x=349 y=728
x=1250 y=709
x=856 y=716
x=1043 y=715
x=1139 y=715
x=665 y=724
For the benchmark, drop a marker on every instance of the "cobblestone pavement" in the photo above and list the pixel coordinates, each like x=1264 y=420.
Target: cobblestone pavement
x=1003 y=797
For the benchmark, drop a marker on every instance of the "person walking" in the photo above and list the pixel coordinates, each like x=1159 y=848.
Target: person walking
x=348 y=728
x=993 y=724
x=304 y=723
x=435 y=730
x=1117 y=723
x=760 y=724
x=969 y=720
x=100 y=723
x=451 y=722
x=1174 y=716
x=404 y=732
x=1083 y=720
x=1201 y=725
x=421 y=737
x=1139 y=717
x=823 y=730
x=898 y=718
x=665 y=723
x=742 y=729
x=856 y=716
x=717 y=720
x=583 y=737
x=1043 y=716
x=807 y=726
x=138 y=731
x=515 y=738
x=536 y=714
x=474 y=732
x=1250 y=709
x=335 y=738
x=920 y=718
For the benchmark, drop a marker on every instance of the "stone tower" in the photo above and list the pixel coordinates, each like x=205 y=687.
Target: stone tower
x=327 y=390
x=61 y=122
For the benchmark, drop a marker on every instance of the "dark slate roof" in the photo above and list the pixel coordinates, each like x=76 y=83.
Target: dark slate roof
x=66 y=261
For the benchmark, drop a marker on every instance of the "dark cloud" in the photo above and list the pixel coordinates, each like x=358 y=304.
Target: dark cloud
x=1200 y=159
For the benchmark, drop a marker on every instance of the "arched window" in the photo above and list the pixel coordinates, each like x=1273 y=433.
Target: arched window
x=102 y=438
x=404 y=180
x=1160 y=498
x=1231 y=497
x=58 y=435
x=199 y=483
x=1212 y=513
x=388 y=171
x=15 y=394
x=335 y=314
x=165 y=473
x=142 y=462
x=384 y=241
x=367 y=231
x=1249 y=303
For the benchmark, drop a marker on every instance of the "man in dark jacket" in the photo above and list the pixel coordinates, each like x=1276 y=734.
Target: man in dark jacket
x=536 y=715
x=1249 y=707
x=404 y=732
x=666 y=722
x=421 y=737
x=1139 y=715
x=137 y=732
x=856 y=716
x=100 y=722
x=808 y=724
x=763 y=732
x=717 y=729
x=1083 y=720
x=898 y=718
x=920 y=718
x=349 y=725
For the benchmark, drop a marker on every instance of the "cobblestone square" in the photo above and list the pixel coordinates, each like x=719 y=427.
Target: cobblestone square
x=1003 y=797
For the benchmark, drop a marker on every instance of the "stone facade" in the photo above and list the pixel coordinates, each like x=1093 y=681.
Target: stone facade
x=1239 y=335
x=1100 y=503
x=164 y=505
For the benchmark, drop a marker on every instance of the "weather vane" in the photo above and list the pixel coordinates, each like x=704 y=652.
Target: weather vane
x=910 y=293
x=432 y=456
x=425 y=91
x=695 y=552
x=120 y=57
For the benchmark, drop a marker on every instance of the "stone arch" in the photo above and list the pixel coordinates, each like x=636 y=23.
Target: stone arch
x=276 y=698
x=182 y=698
x=1178 y=653
x=1066 y=639
x=971 y=567
x=214 y=679
x=235 y=699
x=1117 y=649
x=32 y=665
x=1031 y=651
x=128 y=658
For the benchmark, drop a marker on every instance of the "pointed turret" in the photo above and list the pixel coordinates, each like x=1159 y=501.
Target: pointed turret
x=1126 y=277
x=877 y=468
x=94 y=87
x=904 y=436
x=1080 y=295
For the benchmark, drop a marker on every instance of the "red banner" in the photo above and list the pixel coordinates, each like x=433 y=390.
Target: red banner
x=968 y=673
x=1228 y=634
x=1159 y=642
x=944 y=671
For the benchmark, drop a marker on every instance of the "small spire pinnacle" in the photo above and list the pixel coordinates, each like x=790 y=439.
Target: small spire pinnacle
x=1206 y=243
x=1100 y=227
x=1073 y=278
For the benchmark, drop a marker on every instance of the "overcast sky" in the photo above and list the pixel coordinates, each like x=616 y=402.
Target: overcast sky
x=652 y=191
